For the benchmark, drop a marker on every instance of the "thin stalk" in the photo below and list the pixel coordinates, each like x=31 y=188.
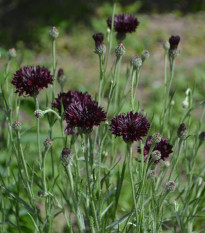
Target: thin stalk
x=132 y=97
x=54 y=66
x=101 y=82
x=38 y=132
x=20 y=150
x=130 y=161
x=114 y=84
x=111 y=33
x=177 y=159
x=117 y=84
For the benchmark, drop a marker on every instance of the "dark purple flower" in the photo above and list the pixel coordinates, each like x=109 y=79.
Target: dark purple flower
x=123 y=23
x=98 y=38
x=30 y=80
x=174 y=41
x=131 y=126
x=163 y=147
x=84 y=115
x=68 y=98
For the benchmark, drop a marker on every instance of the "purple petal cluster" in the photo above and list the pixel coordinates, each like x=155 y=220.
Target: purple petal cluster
x=83 y=115
x=131 y=126
x=66 y=99
x=98 y=38
x=174 y=42
x=30 y=80
x=123 y=23
x=163 y=146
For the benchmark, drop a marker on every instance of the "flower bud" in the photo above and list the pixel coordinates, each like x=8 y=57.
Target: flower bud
x=38 y=113
x=167 y=164
x=100 y=48
x=172 y=102
x=144 y=55
x=53 y=33
x=185 y=103
x=61 y=76
x=156 y=138
x=182 y=132
x=136 y=62
x=156 y=155
x=120 y=50
x=40 y=193
x=152 y=174
x=66 y=156
x=47 y=143
x=166 y=45
x=12 y=53
x=170 y=186
x=16 y=126
x=202 y=137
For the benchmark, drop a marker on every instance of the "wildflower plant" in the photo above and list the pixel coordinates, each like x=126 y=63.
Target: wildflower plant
x=88 y=152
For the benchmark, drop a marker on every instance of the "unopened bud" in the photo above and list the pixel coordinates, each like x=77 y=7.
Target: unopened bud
x=156 y=138
x=12 y=53
x=38 y=113
x=136 y=62
x=185 y=104
x=40 y=193
x=170 y=186
x=182 y=132
x=47 y=143
x=16 y=126
x=66 y=156
x=167 y=164
x=166 y=45
x=172 y=102
x=53 y=33
x=145 y=55
x=156 y=155
x=100 y=49
x=61 y=76
x=202 y=137
x=120 y=50
x=152 y=174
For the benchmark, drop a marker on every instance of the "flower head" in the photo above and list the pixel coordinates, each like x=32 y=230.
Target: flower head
x=84 y=115
x=123 y=23
x=65 y=99
x=100 y=48
x=53 y=33
x=131 y=126
x=66 y=156
x=174 y=41
x=170 y=186
x=30 y=80
x=163 y=147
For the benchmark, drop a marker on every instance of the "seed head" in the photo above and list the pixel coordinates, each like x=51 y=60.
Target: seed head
x=170 y=186
x=48 y=143
x=156 y=138
x=182 y=132
x=53 y=33
x=120 y=50
x=16 y=126
x=12 y=53
x=38 y=113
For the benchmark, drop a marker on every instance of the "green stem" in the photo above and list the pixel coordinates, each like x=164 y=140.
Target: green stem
x=111 y=34
x=177 y=159
x=130 y=161
x=132 y=97
x=54 y=67
x=38 y=132
x=101 y=82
